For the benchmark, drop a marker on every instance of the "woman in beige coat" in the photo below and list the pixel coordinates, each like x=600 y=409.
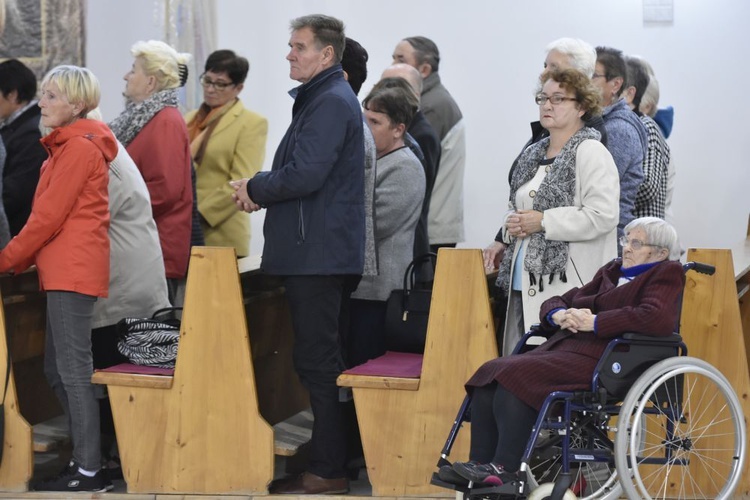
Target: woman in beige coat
x=561 y=226
x=227 y=142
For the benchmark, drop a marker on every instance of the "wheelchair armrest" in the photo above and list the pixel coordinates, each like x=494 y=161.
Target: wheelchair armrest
x=523 y=344
x=641 y=338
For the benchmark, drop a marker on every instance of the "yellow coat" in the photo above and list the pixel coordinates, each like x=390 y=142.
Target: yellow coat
x=235 y=150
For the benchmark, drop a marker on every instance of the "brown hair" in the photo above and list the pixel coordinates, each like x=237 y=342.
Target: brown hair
x=588 y=96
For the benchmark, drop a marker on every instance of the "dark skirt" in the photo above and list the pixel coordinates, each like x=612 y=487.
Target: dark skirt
x=556 y=365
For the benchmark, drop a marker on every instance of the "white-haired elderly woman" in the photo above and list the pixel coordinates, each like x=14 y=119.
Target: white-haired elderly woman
x=155 y=135
x=639 y=293
x=66 y=237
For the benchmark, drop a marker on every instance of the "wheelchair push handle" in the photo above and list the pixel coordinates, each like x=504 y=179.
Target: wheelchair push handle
x=700 y=268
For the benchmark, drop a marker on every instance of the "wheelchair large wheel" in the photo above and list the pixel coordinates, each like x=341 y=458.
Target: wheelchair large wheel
x=591 y=480
x=681 y=433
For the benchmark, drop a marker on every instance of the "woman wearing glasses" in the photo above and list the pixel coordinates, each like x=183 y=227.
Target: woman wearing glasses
x=154 y=133
x=563 y=210
x=227 y=142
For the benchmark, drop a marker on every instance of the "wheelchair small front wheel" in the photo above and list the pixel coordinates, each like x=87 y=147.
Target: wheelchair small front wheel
x=544 y=491
x=680 y=433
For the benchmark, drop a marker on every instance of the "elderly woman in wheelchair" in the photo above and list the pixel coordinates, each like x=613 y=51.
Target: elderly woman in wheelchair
x=638 y=294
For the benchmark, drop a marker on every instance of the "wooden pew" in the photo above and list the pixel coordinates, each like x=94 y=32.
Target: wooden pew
x=282 y=400
x=18 y=457
x=29 y=399
x=404 y=422
x=712 y=327
x=199 y=431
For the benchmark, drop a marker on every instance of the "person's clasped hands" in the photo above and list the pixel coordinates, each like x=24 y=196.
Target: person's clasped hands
x=241 y=198
x=575 y=320
x=522 y=223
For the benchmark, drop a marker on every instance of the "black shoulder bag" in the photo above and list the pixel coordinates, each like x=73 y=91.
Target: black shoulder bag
x=408 y=309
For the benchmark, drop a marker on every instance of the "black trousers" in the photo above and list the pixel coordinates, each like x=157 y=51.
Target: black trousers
x=500 y=426
x=318 y=305
x=365 y=338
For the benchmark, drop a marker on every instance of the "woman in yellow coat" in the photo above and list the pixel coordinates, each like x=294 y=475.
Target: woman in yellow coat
x=227 y=142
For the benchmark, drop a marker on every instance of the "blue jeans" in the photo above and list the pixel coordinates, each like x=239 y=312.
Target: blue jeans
x=68 y=366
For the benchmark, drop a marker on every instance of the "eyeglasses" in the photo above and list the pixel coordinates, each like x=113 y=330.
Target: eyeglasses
x=634 y=244
x=217 y=85
x=541 y=99
x=597 y=75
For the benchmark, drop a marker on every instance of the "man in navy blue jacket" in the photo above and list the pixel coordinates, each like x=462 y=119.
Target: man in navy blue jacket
x=315 y=232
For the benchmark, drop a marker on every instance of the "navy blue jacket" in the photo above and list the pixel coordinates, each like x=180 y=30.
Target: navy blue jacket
x=314 y=193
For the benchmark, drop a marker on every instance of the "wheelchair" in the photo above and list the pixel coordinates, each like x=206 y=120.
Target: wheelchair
x=655 y=424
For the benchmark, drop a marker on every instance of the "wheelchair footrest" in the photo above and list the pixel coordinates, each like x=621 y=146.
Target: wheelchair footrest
x=514 y=489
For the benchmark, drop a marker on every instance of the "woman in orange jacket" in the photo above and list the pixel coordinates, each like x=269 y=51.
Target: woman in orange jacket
x=66 y=237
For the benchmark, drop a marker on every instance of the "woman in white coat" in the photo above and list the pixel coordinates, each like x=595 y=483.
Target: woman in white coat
x=562 y=221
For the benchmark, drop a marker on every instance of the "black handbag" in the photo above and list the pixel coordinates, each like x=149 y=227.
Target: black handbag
x=152 y=341
x=408 y=308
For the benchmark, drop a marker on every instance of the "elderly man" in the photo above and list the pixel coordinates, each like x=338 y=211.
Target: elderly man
x=650 y=201
x=446 y=213
x=314 y=232
x=428 y=141
x=19 y=127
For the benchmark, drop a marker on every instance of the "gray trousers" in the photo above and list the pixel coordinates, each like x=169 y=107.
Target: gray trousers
x=68 y=366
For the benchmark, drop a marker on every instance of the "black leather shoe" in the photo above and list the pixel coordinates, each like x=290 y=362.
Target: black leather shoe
x=308 y=483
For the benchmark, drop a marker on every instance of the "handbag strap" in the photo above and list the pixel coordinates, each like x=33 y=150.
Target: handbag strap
x=410 y=276
x=164 y=311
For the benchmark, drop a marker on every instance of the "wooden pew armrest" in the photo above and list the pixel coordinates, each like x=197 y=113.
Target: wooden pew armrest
x=378 y=382
x=129 y=375
x=393 y=370
x=132 y=380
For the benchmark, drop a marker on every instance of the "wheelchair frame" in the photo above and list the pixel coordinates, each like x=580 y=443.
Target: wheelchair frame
x=648 y=375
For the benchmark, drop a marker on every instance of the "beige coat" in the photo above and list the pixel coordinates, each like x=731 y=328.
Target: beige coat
x=235 y=150
x=590 y=225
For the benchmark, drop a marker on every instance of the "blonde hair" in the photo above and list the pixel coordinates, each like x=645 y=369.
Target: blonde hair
x=78 y=85
x=164 y=63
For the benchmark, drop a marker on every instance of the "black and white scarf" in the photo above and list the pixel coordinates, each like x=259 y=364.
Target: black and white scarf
x=545 y=257
x=137 y=115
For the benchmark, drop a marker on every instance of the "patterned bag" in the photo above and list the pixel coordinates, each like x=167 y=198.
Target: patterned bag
x=150 y=342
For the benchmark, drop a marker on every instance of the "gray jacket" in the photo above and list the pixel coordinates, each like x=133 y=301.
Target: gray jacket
x=399 y=191
x=137 y=281
x=627 y=141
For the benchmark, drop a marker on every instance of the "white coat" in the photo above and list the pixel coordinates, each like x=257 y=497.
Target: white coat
x=589 y=225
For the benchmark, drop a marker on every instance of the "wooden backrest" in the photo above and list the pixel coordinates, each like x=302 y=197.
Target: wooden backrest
x=18 y=457
x=460 y=330
x=711 y=326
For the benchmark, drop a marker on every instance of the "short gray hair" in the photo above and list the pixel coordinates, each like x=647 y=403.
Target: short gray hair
x=582 y=55
x=659 y=233
x=326 y=30
x=650 y=99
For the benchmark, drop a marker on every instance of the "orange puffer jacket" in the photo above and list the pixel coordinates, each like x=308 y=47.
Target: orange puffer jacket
x=66 y=234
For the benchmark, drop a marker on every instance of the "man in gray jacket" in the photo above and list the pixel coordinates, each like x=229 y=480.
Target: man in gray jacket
x=446 y=213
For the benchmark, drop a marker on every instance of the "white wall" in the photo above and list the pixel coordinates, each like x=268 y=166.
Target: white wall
x=491 y=55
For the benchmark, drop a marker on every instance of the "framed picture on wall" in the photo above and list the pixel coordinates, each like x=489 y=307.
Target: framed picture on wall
x=43 y=33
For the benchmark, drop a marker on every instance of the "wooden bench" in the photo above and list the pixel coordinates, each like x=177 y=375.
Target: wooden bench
x=29 y=399
x=199 y=431
x=404 y=421
x=715 y=325
x=283 y=401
